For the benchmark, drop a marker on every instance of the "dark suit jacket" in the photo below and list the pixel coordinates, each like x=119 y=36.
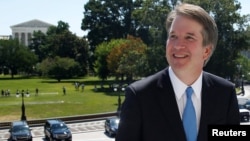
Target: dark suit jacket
x=150 y=112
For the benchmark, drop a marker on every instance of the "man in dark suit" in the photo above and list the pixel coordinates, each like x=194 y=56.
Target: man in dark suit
x=154 y=106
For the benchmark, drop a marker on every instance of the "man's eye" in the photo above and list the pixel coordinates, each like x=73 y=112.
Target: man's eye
x=172 y=37
x=190 y=38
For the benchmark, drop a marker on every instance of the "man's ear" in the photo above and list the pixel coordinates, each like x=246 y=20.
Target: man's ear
x=207 y=51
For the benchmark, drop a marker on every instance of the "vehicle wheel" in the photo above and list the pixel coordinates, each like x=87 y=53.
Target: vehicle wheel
x=110 y=134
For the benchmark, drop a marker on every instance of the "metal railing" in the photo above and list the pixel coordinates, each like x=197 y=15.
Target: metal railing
x=68 y=119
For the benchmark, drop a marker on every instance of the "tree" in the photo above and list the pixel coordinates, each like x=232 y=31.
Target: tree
x=16 y=57
x=128 y=58
x=150 y=17
x=106 y=20
x=232 y=37
x=101 y=53
x=38 y=45
x=59 y=68
x=243 y=71
x=59 y=41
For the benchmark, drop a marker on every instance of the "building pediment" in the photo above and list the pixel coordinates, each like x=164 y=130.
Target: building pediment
x=24 y=31
x=33 y=23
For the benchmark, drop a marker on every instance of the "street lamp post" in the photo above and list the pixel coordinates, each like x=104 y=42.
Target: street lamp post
x=242 y=79
x=23 y=117
x=242 y=85
x=119 y=89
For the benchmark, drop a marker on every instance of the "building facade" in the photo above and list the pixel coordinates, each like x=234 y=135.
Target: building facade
x=24 y=31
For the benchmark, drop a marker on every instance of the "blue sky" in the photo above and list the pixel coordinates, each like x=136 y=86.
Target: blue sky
x=13 y=12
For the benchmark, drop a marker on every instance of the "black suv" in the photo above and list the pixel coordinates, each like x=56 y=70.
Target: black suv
x=111 y=126
x=57 y=130
x=20 y=131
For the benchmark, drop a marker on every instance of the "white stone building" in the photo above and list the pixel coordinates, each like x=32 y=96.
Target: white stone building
x=24 y=31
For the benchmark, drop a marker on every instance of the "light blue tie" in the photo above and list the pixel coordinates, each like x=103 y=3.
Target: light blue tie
x=189 y=117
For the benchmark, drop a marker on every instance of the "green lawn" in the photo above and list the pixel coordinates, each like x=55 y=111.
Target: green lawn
x=51 y=102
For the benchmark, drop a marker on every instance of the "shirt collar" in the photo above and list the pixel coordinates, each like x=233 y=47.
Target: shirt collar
x=180 y=87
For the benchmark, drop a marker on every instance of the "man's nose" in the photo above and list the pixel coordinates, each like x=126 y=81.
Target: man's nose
x=179 y=43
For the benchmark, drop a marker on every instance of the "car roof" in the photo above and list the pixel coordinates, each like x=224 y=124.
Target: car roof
x=19 y=123
x=248 y=102
x=113 y=118
x=54 y=121
x=242 y=100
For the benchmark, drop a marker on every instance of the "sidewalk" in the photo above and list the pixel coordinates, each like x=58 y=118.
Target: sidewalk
x=75 y=128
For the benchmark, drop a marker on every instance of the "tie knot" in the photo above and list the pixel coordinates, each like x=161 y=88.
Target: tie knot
x=189 y=92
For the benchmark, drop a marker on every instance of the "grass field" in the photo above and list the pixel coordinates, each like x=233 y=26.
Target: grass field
x=51 y=102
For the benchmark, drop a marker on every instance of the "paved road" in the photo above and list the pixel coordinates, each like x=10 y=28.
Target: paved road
x=75 y=128
x=86 y=136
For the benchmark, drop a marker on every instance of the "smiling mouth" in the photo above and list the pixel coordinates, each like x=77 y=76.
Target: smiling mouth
x=179 y=56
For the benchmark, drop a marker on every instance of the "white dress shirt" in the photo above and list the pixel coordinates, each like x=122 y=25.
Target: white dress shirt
x=179 y=89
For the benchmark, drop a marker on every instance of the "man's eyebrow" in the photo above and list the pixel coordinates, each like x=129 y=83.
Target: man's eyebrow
x=171 y=32
x=191 y=33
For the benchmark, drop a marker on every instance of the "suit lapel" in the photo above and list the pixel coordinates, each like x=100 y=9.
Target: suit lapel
x=168 y=104
x=206 y=96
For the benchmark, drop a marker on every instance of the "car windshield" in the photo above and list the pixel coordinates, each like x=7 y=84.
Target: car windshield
x=20 y=129
x=60 y=126
x=114 y=123
x=241 y=106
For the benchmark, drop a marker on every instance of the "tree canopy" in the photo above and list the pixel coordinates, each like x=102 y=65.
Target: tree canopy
x=59 y=42
x=146 y=20
x=16 y=57
x=59 y=68
x=121 y=57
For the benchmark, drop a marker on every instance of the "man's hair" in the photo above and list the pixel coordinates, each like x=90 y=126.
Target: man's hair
x=210 y=31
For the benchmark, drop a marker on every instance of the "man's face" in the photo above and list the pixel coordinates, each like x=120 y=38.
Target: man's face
x=184 y=49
